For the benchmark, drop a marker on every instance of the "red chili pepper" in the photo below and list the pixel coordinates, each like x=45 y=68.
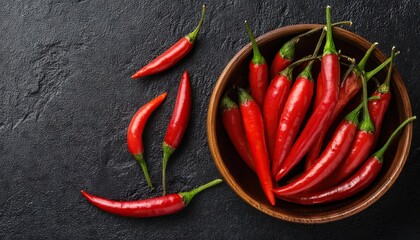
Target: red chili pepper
x=232 y=121
x=286 y=54
x=135 y=132
x=329 y=160
x=348 y=89
x=273 y=105
x=172 y=55
x=258 y=71
x=178 y=123
x=330 y=70
x=294 y=111
x=152 y=207
x=254 y=130
x=356 y=183
x=365 y=139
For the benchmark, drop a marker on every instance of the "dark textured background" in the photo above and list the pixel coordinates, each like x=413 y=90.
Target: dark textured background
x=66 y=100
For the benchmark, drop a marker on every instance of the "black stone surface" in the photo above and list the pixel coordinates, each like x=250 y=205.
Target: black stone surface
x=67 y=98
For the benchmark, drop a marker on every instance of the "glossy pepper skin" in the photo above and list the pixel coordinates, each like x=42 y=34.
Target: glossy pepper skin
x=364 y=140
x=232 y=122
x=153 y=207
x=286 y=54
x=294 y=111
x=178 y=123
x=172 y=55
x=258 y=71
x=350 y=86
x=254 y=130
x=356 y=183
x=274 y=101
x=135 y=132
x=329 y=160
x=291 y=118
x=330 y=70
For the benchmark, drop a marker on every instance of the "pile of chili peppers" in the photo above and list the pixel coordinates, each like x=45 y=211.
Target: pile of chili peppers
x=171 y=203
x=274 y=127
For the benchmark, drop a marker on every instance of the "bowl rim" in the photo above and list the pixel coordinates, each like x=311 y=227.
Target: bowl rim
x=217 y=158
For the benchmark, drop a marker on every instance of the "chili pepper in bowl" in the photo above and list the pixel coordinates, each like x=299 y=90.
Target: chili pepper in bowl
x=172 y=55
x=329 y=160
x=365 y=139
x=356 y=183
x=330 y=70
x=178 y=123
x=293 y=113
x=152 y=207
x=254 y=130
x=348 y=89
x=135 y=132
x=258 y=71
x=284 y=57
x=232 y=121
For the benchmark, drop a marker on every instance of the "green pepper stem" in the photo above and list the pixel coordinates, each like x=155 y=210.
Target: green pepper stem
x=370 y=74
x=362 y=63
x=139 y=157
x=258 y=58
x=287 y=51
x=329 y=47
x=167 y=152
x=227 y=103
x=244 y=96
x=188 y=196
x=192 y=36
x=367 y=124
x=380 y=153
x=320 y=28
x=306 y=73
x=353 y=116
x=384 y=87
x=288 y=71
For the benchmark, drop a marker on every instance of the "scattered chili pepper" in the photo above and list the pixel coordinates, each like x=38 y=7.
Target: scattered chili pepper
x=365 y=139
x=286 y=54
x=232 y=121
x=178 y=123
x=330 y=70
x=153 y=207
x=329 y=160
x=258 y=71
x=172 y=55
x=254 y=130
x=356 y=183
x=348 y=89
x=292 y=115
x=135 y=132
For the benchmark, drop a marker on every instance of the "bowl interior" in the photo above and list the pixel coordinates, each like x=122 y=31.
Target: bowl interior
x=245 y=183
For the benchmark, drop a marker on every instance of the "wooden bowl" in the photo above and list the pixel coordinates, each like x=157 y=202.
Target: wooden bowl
x=245 y=183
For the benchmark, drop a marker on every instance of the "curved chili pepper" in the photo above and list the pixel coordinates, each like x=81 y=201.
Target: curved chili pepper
x=258 y=71
x=232 y=121
x=329 y=160
x=172 y=55
x=356 y=183
x=365 y=140
x=294 y=111
x=286 y=54
x=254 y=130
x=152 y=207
x=330 y=70
x=348 y=89
x=178 y=123
x=135 y=132
x=273 y=105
